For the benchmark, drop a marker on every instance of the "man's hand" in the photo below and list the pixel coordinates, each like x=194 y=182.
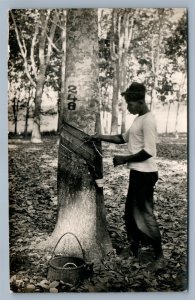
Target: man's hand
x=93 y=138
x=119 y=160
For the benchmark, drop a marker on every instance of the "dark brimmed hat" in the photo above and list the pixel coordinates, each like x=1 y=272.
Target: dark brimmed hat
x=136 y=91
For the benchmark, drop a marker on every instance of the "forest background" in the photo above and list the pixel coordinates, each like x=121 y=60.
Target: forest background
x=144 y=45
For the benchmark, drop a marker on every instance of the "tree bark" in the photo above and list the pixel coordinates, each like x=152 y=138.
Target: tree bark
x=126 y=26
x=63 y=68
x=156 y=62
x=27 y=112
x=114 y=122
x=179 y=102
x=26 y=119
x=23 y=50
x=36 y=131
x=81 y=202
x=44 y=58
x=115 y=64
x=15 y=113
x=167 y=121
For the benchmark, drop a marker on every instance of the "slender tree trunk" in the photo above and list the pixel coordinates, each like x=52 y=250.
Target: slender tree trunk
x=103 y=119
x=126 y=27
x=36 y=131
x=114 y=121
x=27 y=112
x=15 y=113
x=179 y=102
x=154 y=97
x=176 y=119
x=63 y=68
x=26 y=119
x=44 y=58
x=115 y=64
x=156 y=62
x=81 y=202
x=122 y=88
x=167 y=121
x=124 y=112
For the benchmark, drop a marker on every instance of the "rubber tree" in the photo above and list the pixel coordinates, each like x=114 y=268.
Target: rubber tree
x=115 y=63
x=156 y=61
x=62 y=69
x=81 y=208
x=44 y=58
x=126 y=27
x=176 y=50
x=35 y=45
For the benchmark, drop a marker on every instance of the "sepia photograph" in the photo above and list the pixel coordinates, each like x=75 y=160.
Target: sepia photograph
x=98 y=150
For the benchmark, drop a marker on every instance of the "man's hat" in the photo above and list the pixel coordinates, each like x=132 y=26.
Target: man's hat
x=136 y=91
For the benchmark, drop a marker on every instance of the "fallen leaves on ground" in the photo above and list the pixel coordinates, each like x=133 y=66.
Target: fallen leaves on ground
x=33 y=210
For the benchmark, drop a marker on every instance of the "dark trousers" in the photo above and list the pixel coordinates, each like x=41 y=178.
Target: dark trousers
x=139 y=218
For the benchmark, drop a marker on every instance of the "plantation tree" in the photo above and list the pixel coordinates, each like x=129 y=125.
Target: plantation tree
x=138 y=39
x=81 y=202
x=120 y=38
x=176 y=50
x=147 y=59
x=106 y=73
x=15 y=106
x=119 y=27
x=35 y=48
x=155 y=54
x=44 y=58
x=17 y=83
x=62 y=68
x=115 y=62
x=28 y=99
x=181 y=98
x=16 y=96
x=14 y=99
x=126 y=21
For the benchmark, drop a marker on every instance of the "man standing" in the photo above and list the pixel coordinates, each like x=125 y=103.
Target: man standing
x=141 y=141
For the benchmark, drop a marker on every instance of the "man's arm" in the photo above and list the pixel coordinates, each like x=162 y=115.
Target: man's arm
x=137 y=157
x=116 y=139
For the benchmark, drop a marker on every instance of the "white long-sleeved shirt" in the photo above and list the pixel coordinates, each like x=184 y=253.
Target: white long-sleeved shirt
x=142 y=135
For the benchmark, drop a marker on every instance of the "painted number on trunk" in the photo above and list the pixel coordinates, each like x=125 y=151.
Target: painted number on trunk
x=72 y=91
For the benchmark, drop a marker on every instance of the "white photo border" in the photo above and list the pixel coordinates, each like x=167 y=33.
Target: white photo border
x=5 y=5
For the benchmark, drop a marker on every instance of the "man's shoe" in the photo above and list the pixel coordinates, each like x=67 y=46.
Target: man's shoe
x=129 y=251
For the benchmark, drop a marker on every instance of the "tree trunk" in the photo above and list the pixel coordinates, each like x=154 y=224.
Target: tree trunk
x=122 y=88
x=15 y=113
x=176 y=119
x=36 y=131
x=81 y=202
x=114 y=122
x=179 y=102
x=169 y=107
x=27 y=112
x=63 y=67
x=123 y=118
x=26 y=118
x=44 y=58
x=154 y=98
x=156 y=62
x=115 y=64
x=126 y=27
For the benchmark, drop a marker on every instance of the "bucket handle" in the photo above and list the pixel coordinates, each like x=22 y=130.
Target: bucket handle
x=83 y=253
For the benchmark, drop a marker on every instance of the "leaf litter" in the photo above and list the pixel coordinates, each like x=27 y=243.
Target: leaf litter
x=33 y=212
